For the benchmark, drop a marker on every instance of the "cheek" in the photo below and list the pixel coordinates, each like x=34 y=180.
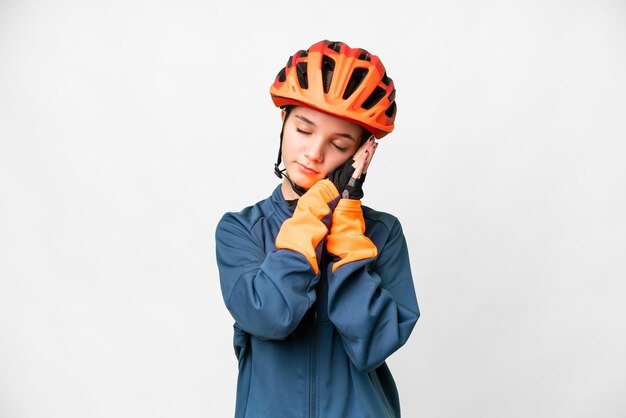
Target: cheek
x=289 y=148
x=337 y=162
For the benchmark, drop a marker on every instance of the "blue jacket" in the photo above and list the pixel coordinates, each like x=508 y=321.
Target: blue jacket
x=321 y=293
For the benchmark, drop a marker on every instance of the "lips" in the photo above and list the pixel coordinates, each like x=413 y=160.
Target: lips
x=307 y=170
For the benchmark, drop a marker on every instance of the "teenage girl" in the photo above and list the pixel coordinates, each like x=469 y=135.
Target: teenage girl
x=320 y=286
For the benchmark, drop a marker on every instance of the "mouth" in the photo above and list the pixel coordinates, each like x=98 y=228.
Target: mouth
x=307 y=170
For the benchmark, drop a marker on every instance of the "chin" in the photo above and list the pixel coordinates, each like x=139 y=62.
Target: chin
x=302 y=180
x=305 y=183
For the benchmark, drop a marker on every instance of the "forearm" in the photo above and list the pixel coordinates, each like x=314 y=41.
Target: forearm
x=371 y=296
x=373 y=321
x=269 y=293
x=305 y=230
x=270 y=301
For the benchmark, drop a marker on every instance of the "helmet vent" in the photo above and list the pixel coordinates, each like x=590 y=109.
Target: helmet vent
x=281 y=75
x=392 y=95
x=335 y=46
x=303 y=80
x=357 y=77
x=328 y=67
x=290 y=62
x=303 y=54
x=374 y=98
x=391 y=110
x=386 y=80
x=365 y=56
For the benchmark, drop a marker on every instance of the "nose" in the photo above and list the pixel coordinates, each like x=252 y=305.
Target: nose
x=315 y=150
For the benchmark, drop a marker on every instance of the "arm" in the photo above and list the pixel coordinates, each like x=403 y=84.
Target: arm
x=371 y=299
x=268 y=294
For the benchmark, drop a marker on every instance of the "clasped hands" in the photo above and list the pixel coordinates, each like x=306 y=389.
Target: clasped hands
x=349 y=177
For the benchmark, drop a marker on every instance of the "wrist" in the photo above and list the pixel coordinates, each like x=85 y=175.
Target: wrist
x=349 y=205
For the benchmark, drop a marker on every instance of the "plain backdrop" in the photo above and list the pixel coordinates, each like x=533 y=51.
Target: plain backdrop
x=127 y=128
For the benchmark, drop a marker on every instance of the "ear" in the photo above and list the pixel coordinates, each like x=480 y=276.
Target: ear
x=283 y=113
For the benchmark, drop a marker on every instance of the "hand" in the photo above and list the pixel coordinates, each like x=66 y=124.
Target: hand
x=349 y=177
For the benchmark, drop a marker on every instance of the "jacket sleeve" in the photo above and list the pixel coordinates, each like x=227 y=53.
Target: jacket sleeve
x=269 y=293
x=371 y=298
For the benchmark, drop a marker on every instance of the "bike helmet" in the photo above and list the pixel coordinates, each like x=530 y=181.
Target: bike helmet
x=349 y=83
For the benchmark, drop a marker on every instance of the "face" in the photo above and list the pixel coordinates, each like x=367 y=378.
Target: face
x=315 y=144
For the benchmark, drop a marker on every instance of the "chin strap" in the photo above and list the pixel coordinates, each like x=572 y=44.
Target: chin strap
x=280 y=173
x=283 y=173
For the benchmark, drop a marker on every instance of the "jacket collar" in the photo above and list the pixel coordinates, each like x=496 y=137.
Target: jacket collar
x=282 y=207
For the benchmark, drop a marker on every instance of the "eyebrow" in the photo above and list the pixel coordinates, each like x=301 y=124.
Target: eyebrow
x=310 y=122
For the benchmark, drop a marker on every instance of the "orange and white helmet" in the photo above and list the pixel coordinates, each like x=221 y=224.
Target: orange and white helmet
x=349 y=83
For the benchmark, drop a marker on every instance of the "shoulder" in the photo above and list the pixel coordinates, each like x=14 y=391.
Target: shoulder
x=377 y=219
x=385 y=231
x=245 y=220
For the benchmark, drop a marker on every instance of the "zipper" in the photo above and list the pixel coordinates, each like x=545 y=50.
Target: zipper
x=381 y=394
x=313 y=382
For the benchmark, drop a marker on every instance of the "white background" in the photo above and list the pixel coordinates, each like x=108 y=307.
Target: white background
x=127 y=128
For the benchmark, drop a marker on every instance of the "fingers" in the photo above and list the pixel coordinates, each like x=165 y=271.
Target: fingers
x=363 y=157
x=363 y=147
x=360 y=165
x=370 y=155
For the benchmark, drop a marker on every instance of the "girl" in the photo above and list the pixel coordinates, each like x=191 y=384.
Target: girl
x=319 y=286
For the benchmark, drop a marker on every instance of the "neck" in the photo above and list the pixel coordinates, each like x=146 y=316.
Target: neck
x=288 y=192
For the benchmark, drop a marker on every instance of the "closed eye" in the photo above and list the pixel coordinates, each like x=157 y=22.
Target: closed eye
x=342 y=149
x=303 y=132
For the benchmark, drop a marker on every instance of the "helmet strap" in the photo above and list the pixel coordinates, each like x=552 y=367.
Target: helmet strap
x=280 y=173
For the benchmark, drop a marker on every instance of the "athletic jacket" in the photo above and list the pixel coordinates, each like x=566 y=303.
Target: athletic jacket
x=321 y=293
